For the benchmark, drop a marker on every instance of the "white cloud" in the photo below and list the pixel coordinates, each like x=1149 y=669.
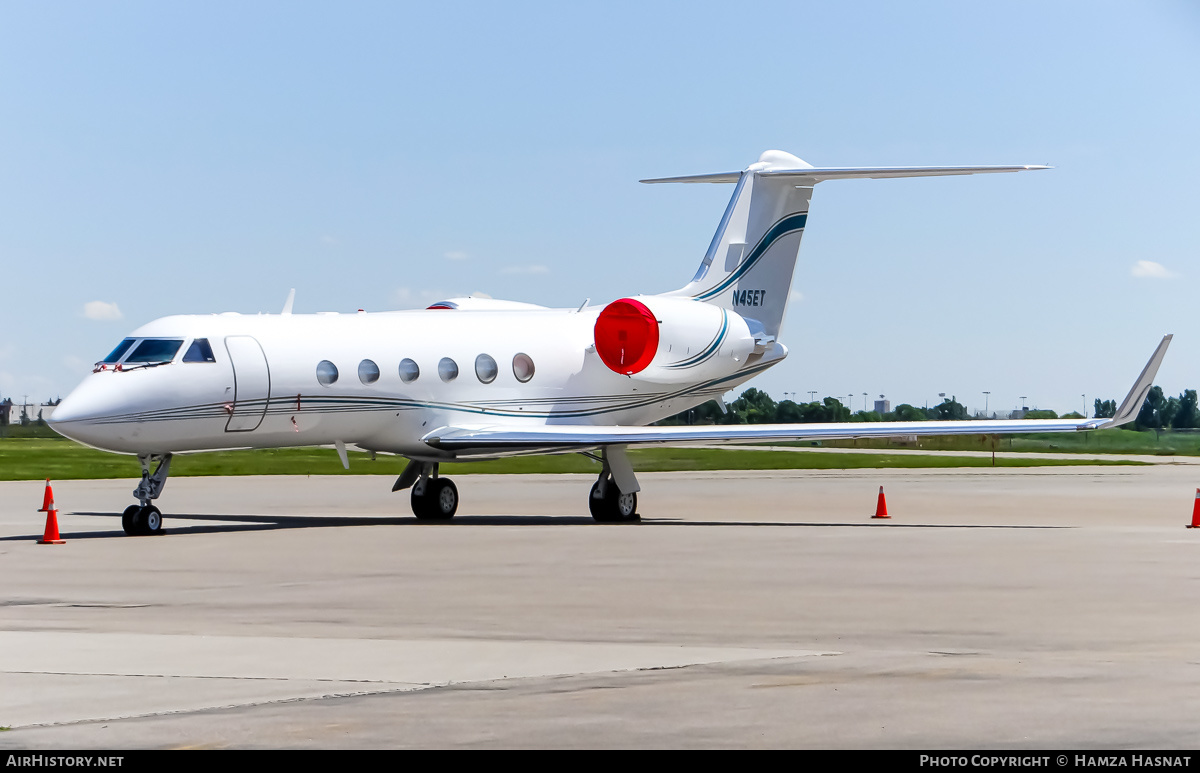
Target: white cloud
x=101 y=310
x=531 y=269
x=478 y=294
x=795 y=296
x=1148 y=269
x=329 y=240
x=455 y=255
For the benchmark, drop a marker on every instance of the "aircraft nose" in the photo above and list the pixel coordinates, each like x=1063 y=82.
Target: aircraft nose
x=83 y=403
x=80 y=416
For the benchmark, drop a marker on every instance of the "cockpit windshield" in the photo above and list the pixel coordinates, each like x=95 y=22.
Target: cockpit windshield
x=154 y=351
x=115 y=354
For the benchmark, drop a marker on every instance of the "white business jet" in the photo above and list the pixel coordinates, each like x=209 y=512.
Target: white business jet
x=475 y=378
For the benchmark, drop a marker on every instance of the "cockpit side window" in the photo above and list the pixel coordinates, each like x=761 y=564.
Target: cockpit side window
x=199 y=351
x=155 y=350
x=122 y=347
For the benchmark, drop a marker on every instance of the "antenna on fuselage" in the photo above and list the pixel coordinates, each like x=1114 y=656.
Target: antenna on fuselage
x=287 y=305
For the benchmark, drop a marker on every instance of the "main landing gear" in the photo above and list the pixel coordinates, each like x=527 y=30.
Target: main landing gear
x=613 y=498
x=433 y=498
x=609 y=505
x=145 y=519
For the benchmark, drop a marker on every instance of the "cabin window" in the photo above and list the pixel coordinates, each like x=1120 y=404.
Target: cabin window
x=447 y=369
x=486 y=368
x=409 y=371
x=327 y=372
x=368 y=372
x=155 y=351
x=523 y=367
x=199 y=351
x=115 y=354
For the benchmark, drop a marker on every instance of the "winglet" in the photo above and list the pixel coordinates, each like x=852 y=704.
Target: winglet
x=287 y=305
x=1137 y=395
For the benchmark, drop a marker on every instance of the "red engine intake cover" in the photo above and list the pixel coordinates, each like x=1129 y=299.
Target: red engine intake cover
x=626 y=336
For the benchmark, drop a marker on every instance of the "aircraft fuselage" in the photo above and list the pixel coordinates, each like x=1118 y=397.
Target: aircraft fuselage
x=261 y=387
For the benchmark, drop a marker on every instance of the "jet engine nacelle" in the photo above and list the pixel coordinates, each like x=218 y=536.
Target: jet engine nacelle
x=672 y=340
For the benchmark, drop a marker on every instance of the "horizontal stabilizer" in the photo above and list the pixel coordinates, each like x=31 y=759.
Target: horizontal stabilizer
x=817 y=174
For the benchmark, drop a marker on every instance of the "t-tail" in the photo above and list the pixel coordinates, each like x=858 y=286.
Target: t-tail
x=749 y=264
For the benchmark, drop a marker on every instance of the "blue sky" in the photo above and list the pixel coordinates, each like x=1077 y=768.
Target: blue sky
x=160 y=158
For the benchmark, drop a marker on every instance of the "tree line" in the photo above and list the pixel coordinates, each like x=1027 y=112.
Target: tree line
x=757 y=407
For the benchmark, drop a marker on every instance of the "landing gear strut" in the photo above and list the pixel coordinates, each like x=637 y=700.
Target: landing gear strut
x=613 y=498
x=145 y=519
x=433 y=498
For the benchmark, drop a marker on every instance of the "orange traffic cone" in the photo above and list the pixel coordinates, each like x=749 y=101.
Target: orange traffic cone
x=50 y=537
x=881 y=506
x=1195 y=524
x=47 y=499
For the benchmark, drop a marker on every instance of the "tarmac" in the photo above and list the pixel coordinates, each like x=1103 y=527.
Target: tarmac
x=1033 y=608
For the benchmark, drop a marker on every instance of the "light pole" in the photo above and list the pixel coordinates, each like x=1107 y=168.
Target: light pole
x=1084 y=396
x=985 y=403
x=811 y=392
x=1023 y=402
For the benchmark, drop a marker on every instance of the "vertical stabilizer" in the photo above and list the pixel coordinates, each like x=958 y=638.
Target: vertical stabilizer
x=748 y=267
x=749 y=264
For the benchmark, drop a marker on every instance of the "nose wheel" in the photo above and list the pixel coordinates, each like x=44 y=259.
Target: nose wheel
x=142 y=521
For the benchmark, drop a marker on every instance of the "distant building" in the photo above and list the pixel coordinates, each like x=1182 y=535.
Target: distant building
x=13 y=411
x=883 y=406
x=1018 y=413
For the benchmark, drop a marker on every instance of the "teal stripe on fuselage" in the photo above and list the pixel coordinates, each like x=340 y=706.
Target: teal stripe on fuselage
x=784 y=227
x=711 y=349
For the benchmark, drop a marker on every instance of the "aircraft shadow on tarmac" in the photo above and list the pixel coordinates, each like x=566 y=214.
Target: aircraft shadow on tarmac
x=226 y=523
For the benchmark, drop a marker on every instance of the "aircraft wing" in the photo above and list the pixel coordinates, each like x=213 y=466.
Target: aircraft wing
x=558 y=438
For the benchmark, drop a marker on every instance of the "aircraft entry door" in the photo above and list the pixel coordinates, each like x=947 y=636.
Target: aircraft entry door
x=251 y=383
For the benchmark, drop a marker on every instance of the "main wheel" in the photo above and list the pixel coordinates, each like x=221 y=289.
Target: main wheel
x=615 y=507
x=129 y=520
x=439 y=502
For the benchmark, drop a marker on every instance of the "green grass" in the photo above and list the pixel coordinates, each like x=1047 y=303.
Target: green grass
x=61 y=459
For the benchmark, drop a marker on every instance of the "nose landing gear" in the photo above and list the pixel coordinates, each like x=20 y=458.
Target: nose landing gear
x=145 y=519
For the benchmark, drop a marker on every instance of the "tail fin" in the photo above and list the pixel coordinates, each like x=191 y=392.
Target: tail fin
x=749 y=264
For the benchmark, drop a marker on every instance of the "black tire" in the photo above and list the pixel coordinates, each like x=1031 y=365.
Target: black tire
x=129 y=520
x=615 y=507
x=439 y=501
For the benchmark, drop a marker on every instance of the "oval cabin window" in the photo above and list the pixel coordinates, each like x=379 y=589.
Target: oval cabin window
x=523 y=367
x=368 y=372
x=486 y=368
x=327 y=372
